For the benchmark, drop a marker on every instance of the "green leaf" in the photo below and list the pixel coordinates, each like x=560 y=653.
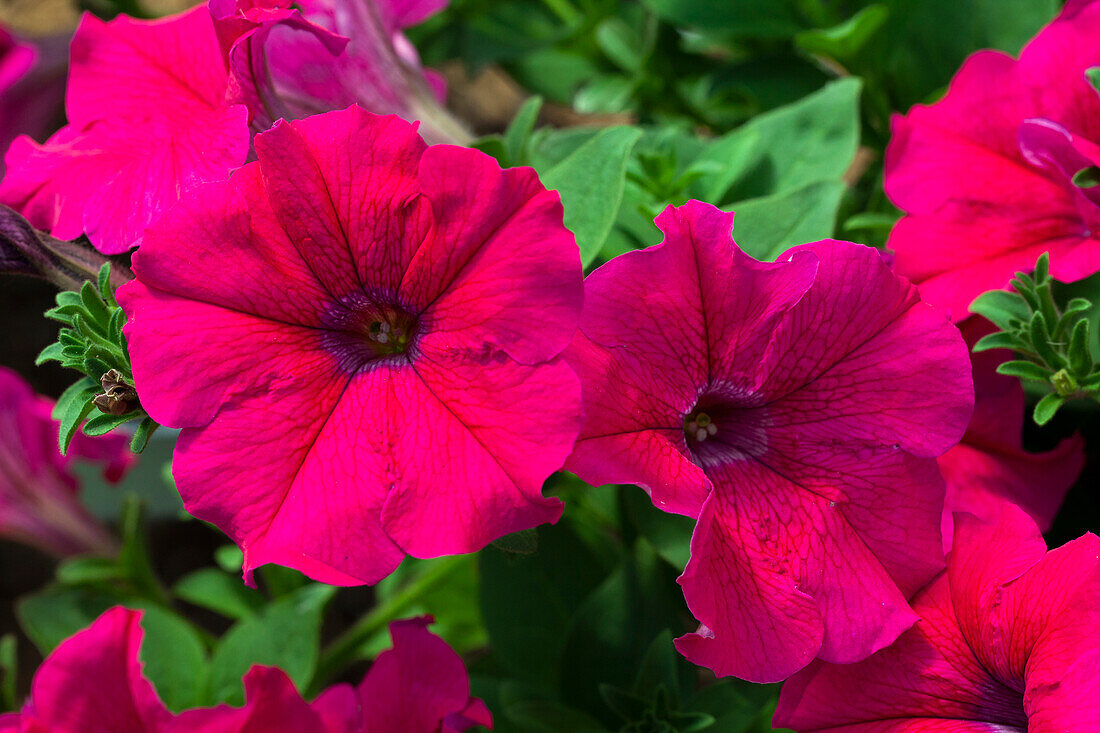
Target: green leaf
x=219 y=592
x=68 y=298
x=605 y=94
x=613 y=627
x=94 y=305
x=103 y=280
x=1040 y=341
x=527 y=601
x=174 y=658
x=746 y=18
x=1093 y=75
x=621 y=44
x=9 y=670
x=229 y=558
x=72 y=407
x=545 y=716
x=102 y=423
x=870 y=221
x=1042 y=268
x=768 y=226
x=1024 y=370
x=53 y=352
x=524 y=542
x=142 y=434
x=285 y=635
x=999 y=340
x=56 y=612
x=813 y=139
x=922 y=44
x=590 y=182
x=492 y=145
x=1080 y=357
x=1047 y=407
x=1001 y=307
x=520 y=129
x=659 y=669
x=627 y=705
x=843 y=42
x=670 y=534
x=738 y=707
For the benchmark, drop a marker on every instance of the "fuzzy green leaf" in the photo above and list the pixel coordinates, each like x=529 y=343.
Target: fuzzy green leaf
x=1047 y=407
x=1000 y=307
x=72 y=407
x=1024 y=370
x=103 y=423
x=144 y=431
x=1040 y=341
x=53 y=352
x=1000 y=340
x=1080 y=357
x=94 y=305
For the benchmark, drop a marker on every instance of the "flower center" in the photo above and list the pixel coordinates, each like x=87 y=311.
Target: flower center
x=387 y=333
x=699 y=426
x=726 y=425
x=365 y=330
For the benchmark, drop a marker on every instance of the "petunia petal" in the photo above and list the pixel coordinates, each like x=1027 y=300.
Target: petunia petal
x=104 y=655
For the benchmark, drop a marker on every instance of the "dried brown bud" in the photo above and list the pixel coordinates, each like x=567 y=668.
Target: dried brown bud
x=118 y=397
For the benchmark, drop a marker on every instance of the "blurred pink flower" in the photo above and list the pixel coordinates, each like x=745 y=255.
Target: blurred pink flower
x=32 y=86
x=985 y=175
x=990 y=461
x=39 y=495
x=147 y=120
x=93 y=683
x=294 y=60
x=795 y=409
x=1006 y=642
x=359 y=336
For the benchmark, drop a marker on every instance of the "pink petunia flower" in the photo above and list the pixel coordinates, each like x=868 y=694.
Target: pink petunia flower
x=795 y=409
x=93 y=683
x=39 y=495
x=147 y=120
x=990 y=461
x=359 y=335
x=32 y=86
x=985 y=175
x=1006 y=642
x=293 y=60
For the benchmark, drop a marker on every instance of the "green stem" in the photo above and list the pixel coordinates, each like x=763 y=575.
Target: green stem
x=346 y=648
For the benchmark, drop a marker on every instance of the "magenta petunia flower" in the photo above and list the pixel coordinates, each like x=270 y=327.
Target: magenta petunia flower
x=990 y=461
x=1006 y=642
x=39 y=495
x=93 y=683
x=291 y=60
x=32 y=86
x=985 y=175
x=359 y=335
x=795 y=409
x=147 y=120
